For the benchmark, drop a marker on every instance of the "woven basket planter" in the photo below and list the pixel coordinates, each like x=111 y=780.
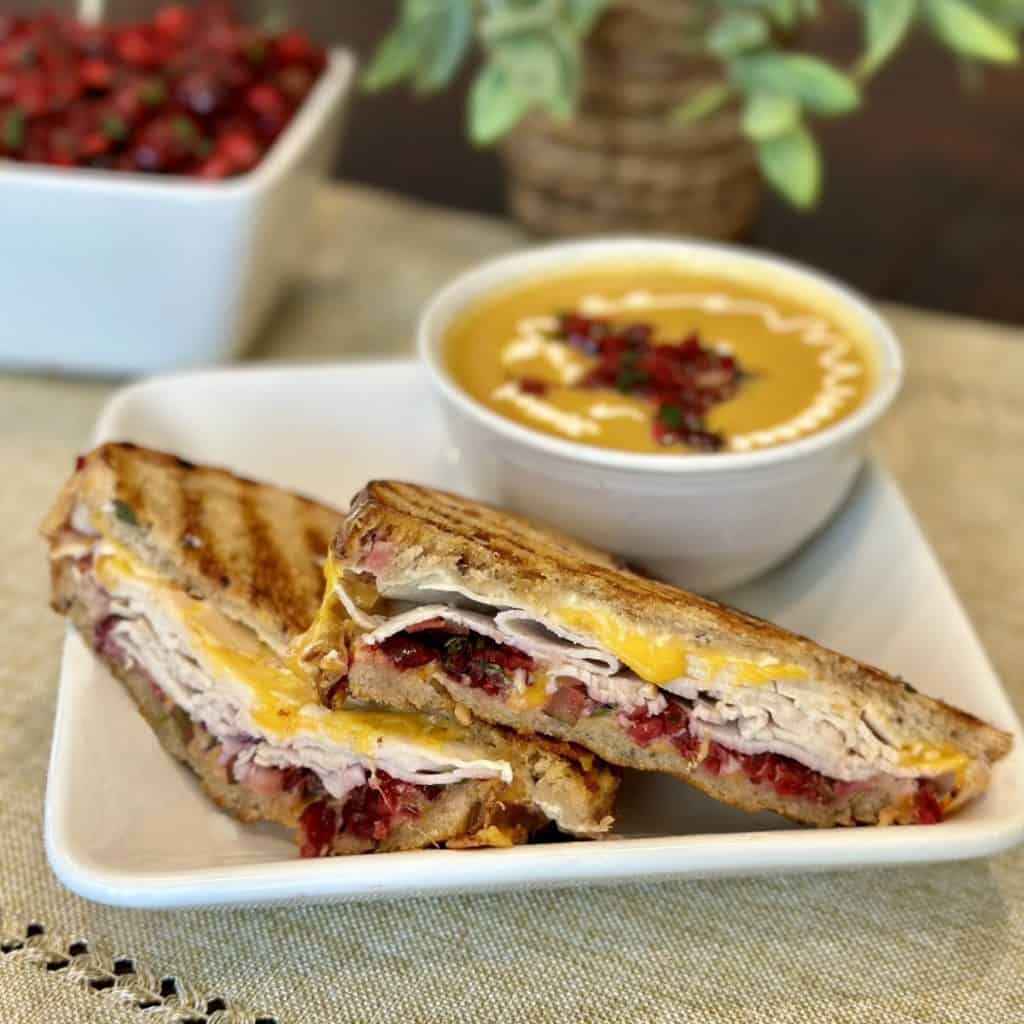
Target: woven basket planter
x=623 y=164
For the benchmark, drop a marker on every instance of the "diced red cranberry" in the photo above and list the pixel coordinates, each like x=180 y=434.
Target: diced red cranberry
x=174 y=22
x=405 y=652
x=294 y=778
x=269 y=106
x=927 y=807
x=373 y=810
x=713 y=762
x=583 y=333
x=32 y=94
x=96 y=74
x=790 y=778
x=672 y=724
x=784 y=775
x=319 y=825
x=295 y=82
x=240 y=150
x=10 y=24
x=677 y=728
x=93 y=144
x=508 y=657
x=133 y=46
x=294 y=47
x=533 y=386
x=215 y=167
x=642 y=727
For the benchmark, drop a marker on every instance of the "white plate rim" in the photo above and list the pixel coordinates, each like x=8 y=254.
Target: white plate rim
x=410 y=873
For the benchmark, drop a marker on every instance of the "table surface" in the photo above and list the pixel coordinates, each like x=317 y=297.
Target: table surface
x=941 y=943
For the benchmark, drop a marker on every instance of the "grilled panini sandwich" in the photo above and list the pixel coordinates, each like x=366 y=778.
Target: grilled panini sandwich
x=190 y=584
x=463 y=608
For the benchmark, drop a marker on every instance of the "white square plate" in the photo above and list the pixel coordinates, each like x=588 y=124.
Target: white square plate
x=125 y=824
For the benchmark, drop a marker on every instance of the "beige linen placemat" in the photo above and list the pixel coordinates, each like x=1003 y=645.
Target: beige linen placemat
x=943 y=943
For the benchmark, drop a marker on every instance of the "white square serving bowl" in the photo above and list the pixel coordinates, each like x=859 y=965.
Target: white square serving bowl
x=112 y=272
x=126 y=824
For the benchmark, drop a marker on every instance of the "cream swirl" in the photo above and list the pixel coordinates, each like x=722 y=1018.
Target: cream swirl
x=533 y=340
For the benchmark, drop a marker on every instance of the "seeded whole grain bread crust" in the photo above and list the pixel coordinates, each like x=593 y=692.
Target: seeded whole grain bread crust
x=169 y=499
x=409 y=536
x=254 y=551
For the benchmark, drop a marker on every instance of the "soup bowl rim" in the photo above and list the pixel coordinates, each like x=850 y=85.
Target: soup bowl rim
x=495 y=275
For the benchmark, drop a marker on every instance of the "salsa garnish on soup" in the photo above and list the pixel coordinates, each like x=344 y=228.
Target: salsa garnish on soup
x=657 y=359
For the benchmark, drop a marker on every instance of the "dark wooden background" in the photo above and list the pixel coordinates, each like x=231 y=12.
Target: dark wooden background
x=924 y=199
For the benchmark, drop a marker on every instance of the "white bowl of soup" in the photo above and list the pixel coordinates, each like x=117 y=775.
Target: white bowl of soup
x=699 y=409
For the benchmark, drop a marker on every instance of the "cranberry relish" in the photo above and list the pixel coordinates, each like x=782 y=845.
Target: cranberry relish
x=474 y=660
x=683 y=379
x=482 y=663
x=192 y=91
x=369 y=812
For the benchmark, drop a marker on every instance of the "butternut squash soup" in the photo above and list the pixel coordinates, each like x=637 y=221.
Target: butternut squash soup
x=655 y=359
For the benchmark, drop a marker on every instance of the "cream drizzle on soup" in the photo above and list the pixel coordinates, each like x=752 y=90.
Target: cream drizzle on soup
x=801 y=370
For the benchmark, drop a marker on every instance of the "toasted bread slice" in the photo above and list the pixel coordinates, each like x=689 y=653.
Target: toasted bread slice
x=216 y=576
x=415 y=545
x=252 y=550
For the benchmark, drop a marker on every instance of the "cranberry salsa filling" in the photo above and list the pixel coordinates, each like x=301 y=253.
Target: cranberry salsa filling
x=503 y=672
x=368 y=812
x=330 y=801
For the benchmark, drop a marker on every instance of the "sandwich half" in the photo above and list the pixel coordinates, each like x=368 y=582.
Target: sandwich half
x=462 y=608
x=191 y=584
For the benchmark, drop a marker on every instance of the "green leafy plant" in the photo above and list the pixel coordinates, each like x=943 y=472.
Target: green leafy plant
x=781 y=89
x=531 y=55
x=532 y=61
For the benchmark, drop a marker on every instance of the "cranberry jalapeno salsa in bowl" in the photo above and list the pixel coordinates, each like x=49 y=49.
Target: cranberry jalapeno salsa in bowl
x=156 y=183
x=192 y=91
x=698 y=408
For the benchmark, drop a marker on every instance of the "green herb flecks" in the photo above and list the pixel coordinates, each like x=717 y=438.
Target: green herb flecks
x=125 y=513
x=12 y=134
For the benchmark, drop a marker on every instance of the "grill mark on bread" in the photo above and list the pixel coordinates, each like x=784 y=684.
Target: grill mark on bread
x=204 y=504
x=271 y=581
x=316 y=542
x=201 y=551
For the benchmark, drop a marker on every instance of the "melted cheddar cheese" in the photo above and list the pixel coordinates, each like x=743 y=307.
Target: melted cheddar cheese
x=934 y=759
x=279 y=699
x=328 y=628
x=745 y=672
x=660 y=658
x=534 y=696
x=654 y=657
